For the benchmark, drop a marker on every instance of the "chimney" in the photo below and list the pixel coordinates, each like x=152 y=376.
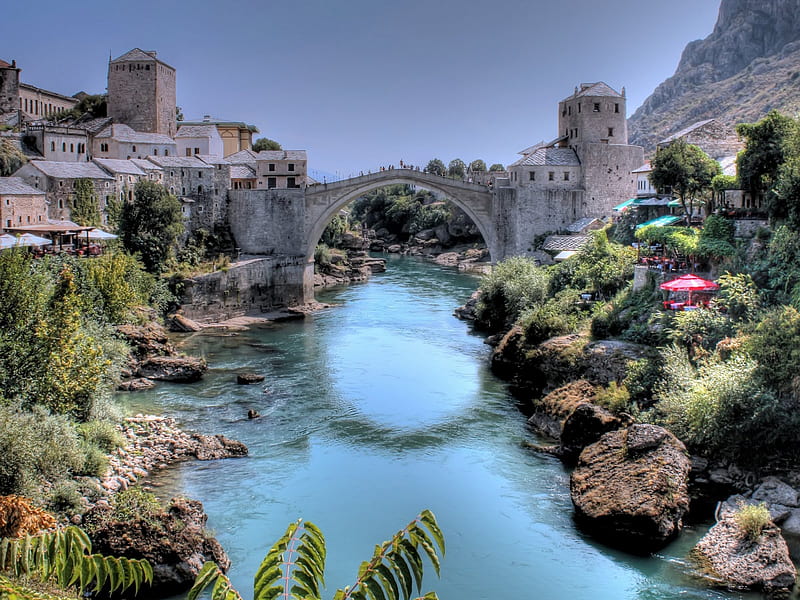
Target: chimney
x=13 y=64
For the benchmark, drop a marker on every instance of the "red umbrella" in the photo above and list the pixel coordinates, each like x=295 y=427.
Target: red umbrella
x=689 y=283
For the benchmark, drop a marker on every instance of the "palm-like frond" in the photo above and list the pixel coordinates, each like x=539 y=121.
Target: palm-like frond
x=294 y=567
x=66 y=556
x=397 y=565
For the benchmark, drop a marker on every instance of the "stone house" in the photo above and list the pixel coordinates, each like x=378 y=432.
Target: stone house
x=142 y=93
x=58 y=142
x=29 y=101
x=713 y=137
x=126 y=174
x=236 y=135
x=281 y=169
x=585 y=172
x=121 y=142
x=57 y=180
x=192 y=181
x=199 y=139
x=644 y=189
x=20 y=204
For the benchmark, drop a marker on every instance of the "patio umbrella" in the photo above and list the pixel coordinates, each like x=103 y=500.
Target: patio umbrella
x=689 y=283
x=7 y=241
x=28 y=239
x=99 y=234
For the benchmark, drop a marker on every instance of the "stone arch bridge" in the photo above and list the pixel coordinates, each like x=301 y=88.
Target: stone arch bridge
x=290 y=222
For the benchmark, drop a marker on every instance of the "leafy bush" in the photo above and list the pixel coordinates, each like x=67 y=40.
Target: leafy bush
x=641 y=378
x=35 y=447
x=428 y=217
x=103 y=434
x=95 y=463
x=602 y=266
x=738 y=296
x=514 y=285
x=322 y=255
x=752 y=519
x=721 y=407
x=65 y=498
x=135 y=503
x=775 y=345
x=700 y=329
x=121 y=282
x=615 y=398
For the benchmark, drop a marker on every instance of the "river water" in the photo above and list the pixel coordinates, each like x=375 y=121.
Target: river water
x=374 y=410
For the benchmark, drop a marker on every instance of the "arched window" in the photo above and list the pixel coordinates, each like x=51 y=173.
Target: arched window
x=52 y=146
x=63 y=146
x=155 y=151
x=199 y=189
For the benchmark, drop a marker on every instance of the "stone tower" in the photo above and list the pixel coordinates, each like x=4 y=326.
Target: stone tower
x=9 y=87
x=141 y=92
x=594 y=114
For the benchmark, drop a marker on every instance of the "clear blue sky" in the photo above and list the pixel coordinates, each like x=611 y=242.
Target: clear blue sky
x=364 y=83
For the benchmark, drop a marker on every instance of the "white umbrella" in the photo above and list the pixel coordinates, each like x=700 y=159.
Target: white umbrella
x=28 y=239
x=99 y=234
x=7 y=241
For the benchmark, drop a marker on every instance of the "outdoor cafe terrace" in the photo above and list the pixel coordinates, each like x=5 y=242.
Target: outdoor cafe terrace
x=55 y=237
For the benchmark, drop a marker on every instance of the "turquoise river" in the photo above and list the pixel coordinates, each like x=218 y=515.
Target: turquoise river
x=378 y=408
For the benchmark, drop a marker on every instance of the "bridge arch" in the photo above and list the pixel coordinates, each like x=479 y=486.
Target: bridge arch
x=324 y=201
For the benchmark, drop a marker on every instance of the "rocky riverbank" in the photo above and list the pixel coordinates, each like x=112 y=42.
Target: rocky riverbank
x=635 y=485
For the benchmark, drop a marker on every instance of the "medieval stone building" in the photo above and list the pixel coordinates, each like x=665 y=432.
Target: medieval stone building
x=141 y=93
x=584 y=172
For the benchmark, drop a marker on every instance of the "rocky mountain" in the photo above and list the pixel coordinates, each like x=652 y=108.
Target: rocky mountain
x=749 y=65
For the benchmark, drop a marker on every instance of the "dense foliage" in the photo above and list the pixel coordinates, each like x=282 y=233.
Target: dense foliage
x=59 y=359
x=262 y=144
x=151 y=224
x=85 y=210
x=11 y=158
x=684 y=170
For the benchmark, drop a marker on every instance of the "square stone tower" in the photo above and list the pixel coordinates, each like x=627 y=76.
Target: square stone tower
x=9 y=86
x=141 y=92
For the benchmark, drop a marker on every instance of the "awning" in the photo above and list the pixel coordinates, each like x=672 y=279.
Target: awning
x=662 y=221
x=99 y=234
x=28 y=239
x=564 y=255
x=689 y=282
x=624 y=205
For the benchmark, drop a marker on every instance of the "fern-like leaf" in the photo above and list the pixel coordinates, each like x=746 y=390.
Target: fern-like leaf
x=397 y=565
x=221 y=587
x=294 y=566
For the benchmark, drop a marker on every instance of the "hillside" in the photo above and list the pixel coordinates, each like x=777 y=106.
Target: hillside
x=749 y=65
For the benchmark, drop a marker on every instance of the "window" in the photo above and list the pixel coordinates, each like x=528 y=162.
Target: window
x=133 y=148
x=197 y=150
x=199 y=173
x=579 y=107
x=610 y=132
x=271 y=166
x=566 y=175
x=188 y=152
x=63 y=146
x=199 y=189
x=52 y=146
x=532 y=176
x=28 y=218
x=616 y=107
x=61 y=203
x=272 y=182
x=569 y=109
x=72 y=147
x=551 y=176
x=596 y=107
x=183 y=191
x=290 y=182
x=199 y=209
x=291 y=166
x=155 y=151
x=8 y=222
x=166 y=152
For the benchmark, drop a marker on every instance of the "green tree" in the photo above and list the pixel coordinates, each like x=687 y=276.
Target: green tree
x=477 y=166
x=766 y=149
x=497 y=167
x=11 y=158
x=151 y=224
x=334 y=231
x=602 y=266
x=514 y=285
x=719 y=185
x=85 y=210
x=294 y=567
x=785 y=196
x=456 y=168
x=91 y=105
x=262 y=144
x=435 y=167
x=686 y=170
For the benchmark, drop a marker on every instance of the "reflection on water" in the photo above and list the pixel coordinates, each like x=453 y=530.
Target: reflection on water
x=374 y=410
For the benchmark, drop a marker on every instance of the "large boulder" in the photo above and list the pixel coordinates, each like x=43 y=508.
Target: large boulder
x=146 y=340
x=213 y=447
x=175 y=541
x=630 y=487
x=183 y=369
x=727 y=555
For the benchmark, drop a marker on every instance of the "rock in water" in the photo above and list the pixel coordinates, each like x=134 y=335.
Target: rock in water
x=726 y=554
x=248 y=378
x=185 y=369
x=630 y=487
